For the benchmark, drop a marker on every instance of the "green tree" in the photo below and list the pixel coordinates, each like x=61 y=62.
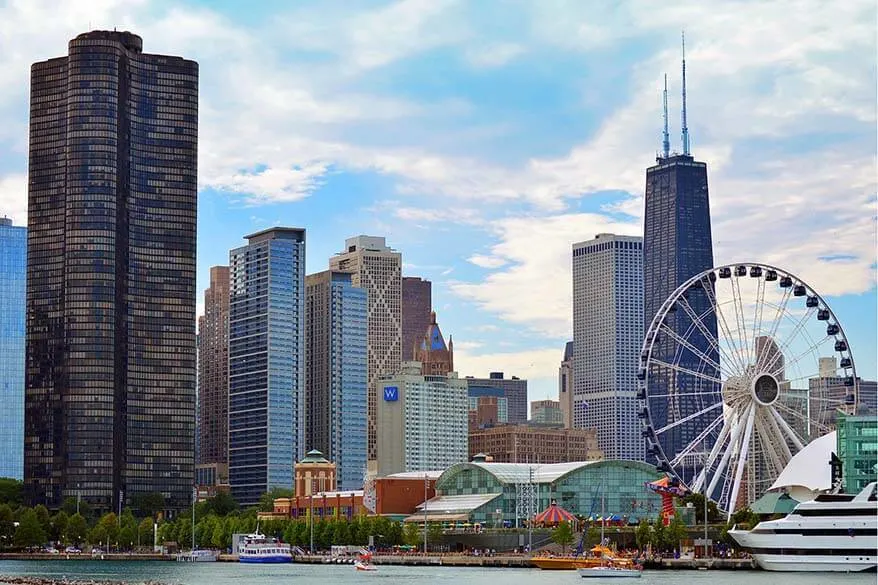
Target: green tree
x=29 y=532
x=110 y=524
x=70 y=507
x=148 y=504
x=393 y=535
x=145 y=532
x=43 y=517
x=221 y=504
x=97 y=536
x=75 y=531
x=641 y=534
x=745 y=518
x=266 y=501
x=219 y=539
x=658 y=534
x=697 y=501
x=11 y=491
x=674 y=533
x=563 y=536
x=412 y=534
x=58 y=526
x=434 y=534
x=7 y=526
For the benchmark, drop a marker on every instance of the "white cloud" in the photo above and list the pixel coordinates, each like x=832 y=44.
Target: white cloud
x=486 y=261
x=493 y=55
x=536 y=287
x=13 y=197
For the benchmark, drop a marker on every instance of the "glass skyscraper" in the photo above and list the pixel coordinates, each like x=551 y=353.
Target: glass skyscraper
x=677 y=245
x=266 y=362
x=112 y=195
x=13 y=268
x=337 y=372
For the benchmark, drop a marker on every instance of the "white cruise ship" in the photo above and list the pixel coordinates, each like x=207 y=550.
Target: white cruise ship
x=834 y=532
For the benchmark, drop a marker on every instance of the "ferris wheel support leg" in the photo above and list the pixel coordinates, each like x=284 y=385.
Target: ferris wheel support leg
x=702 y=477
x=783 y=443
x=737 y=428
x=786 y=427
x=742 y=458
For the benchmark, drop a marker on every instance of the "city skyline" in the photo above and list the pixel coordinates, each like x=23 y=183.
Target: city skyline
x=509 y=183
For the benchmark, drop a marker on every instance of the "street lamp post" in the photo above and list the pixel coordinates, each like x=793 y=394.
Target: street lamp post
x=426 y=485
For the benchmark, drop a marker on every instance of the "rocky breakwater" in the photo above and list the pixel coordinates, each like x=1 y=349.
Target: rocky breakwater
x=20 y=580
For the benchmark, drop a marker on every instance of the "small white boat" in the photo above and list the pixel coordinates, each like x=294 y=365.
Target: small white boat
x=364 y=566
x=609 y=572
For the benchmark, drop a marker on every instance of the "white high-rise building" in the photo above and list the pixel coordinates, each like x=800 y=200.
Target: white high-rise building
x=377 y=269
x=607 y=337
x=422 y=421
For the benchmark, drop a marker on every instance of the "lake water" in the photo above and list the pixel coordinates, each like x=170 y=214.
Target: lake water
x=237 y=574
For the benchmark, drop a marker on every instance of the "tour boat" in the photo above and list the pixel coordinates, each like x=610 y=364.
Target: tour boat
x=258 y=548
x=834 y=532
x=610 y=565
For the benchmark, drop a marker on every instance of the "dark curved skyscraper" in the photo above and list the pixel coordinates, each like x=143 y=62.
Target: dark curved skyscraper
x=110 y=356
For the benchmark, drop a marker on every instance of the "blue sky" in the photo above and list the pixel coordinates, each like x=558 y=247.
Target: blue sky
x=484 y=138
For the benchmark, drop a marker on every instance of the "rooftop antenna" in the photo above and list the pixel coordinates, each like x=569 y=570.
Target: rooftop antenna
x=666 y=141
x=685 y=126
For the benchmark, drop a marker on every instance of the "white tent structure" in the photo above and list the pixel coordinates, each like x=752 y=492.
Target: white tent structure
x=808 y=473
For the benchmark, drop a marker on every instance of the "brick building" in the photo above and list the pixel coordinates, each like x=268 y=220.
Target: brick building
x=529 y=444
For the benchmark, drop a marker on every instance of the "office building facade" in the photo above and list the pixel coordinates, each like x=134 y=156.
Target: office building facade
x=213 y=371
x=336 y=321
x=377 y=269
x=13 y=278
x=565 y=386
x=531 y=444
x=417 y=303
x=546 y=413
x=110 y=357
x=422 y=421
x=266 y=362
x=514 y=388
x=677 y=245
x=607 y=337
x=488 y=407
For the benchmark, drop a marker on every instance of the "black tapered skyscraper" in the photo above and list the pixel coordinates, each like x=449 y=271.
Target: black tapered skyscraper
x=110 y=356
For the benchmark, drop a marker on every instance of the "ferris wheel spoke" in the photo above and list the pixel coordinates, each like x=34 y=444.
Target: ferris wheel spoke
x=785 y=448
x=711 y=458
x=742 y=458
x=838 y=401
x=780 y=310
x=769 y=442
x=811 y=351
x=726 y=331
x=785 y=427
x=685 y=343
x=737 y=429
x=683 y=370
x=686 y=419
x=740 y=318
x=678 y=458
x=757 y=318
x=698 y=321
x=789 y=340
x=675 y=394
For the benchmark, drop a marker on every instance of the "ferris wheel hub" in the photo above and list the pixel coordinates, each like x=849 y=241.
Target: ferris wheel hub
x=765 y=389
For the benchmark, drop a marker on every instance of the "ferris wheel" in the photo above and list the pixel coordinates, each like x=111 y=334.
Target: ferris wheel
x=742 y=366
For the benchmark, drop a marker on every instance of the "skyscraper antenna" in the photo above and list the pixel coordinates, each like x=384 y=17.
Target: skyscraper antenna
x=666 y=141
x=683 y=117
